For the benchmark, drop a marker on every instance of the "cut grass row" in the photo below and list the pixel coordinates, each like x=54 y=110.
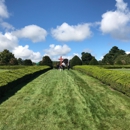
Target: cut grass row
x=118 y=80
x=124 y=70
x=3 y=70
x=66 y=100
x=9 y=79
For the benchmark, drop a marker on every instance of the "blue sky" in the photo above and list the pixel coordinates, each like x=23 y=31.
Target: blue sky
x=31 y=29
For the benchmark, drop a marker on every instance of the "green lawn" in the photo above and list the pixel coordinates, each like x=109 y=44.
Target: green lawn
x=66 y=100
x=124 y=70
x=3 y=70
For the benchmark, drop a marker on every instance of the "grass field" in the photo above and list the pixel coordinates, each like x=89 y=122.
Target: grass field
x=124 y=70
x=66 y=100
x=3 y=70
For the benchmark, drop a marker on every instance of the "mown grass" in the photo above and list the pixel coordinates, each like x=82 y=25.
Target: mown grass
x=66 y=100
x=3 y=70
x=124 y=70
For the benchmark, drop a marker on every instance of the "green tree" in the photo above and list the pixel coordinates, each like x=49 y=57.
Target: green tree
x=5 y=57
x=100 y=62
x=27 y=62
x=107 y=59
x=122 y=60
x=20 y=61
x=110 y=57
x=93 y=62
x=75 y=61
x=86 y=58
x=13 y=61
x=46 y=61
x=128 y=58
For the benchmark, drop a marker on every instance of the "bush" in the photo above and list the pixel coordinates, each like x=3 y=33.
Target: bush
x=93 y=62
x=75 y=61
x=116 y=79
x=12 y=78
x=27 y=62
x=46 y=61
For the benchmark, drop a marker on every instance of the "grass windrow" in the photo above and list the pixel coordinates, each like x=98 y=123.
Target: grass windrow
x=65 y=100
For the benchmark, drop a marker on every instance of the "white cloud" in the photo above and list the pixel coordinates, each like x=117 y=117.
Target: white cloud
x=121 y=5
x=112 y=21
x=33 y=32
x=87 y=50
x=26 y=53
x=101 y=58
x=69 y=57
x=127 y=52
x=66 y=32
x=57 y=50
x=3 y=10
x=7 y=26
x=8 y=41
x=76 y=54
x=116 y=23
x=4 y=14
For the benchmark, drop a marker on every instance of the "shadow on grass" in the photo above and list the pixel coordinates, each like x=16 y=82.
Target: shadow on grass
x=12 y=92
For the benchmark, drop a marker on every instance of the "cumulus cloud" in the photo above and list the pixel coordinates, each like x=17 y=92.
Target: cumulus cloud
x=117 y=23
x=67 y=32
x=33 y=32
x=3 y=10
x=101 y=57
x=4 y=14
x=76 y=54
x=8 y=41
x=57 y=50
x=127 y=52
x=121 y=5
x=25 y=53
x=7 y=26
x=69 y=57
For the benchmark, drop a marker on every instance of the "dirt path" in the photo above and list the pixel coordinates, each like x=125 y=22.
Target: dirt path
x=66 y=100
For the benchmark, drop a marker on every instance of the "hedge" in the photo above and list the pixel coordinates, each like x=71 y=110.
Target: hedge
x=114 y=66
x=116 y=79
x=13 y=66
x=11 y=78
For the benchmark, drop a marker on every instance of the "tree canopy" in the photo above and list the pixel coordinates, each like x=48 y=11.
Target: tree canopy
x=86 y=58
x=27 y=62
x=114 y=56
x=75 y=61
x=46 y=61
x=93 y=62
x=110 y=57
x=20 y=61
x=13 y=61
x=6 y=57
x=122 y=60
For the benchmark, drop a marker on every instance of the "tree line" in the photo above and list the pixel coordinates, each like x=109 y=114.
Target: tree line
x=7 y=58
x=115 y=56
